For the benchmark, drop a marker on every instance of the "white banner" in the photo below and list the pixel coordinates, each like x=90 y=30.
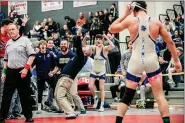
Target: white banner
x=48 y=5
x=20 y=7
x=76 y=3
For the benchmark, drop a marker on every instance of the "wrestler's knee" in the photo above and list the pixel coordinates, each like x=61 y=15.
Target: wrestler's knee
x=128 y=96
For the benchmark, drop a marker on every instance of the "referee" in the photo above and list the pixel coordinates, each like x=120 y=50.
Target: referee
x=19 y=55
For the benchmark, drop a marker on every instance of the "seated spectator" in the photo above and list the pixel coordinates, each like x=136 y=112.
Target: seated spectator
x=169 y=26
x=177 y=39
x=42 y=34
x=56 y=39
x=63 y=31
x=119 y=85
x=171 y=68
x=144 y=87
x=70 y=22
x=52 y=26
x=82 y=21
x=35 y=30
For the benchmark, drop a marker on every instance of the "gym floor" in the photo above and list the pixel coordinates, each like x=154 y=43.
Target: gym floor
x=92 y=116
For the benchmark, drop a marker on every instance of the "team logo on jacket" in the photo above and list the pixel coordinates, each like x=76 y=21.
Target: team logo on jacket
x=48 y=55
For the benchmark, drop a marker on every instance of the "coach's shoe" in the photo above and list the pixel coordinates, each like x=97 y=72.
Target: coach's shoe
x=29 y=120
x=71 y=116
x=101 y=109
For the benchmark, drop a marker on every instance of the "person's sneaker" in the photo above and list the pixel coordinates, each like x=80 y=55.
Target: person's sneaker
x=101 y=109
x=95 y=103
x=11 y=116
x=171 y=83
x=71 y=116
x=29 y=120
x=116 y=99
x=17 y=115
x=83 y=112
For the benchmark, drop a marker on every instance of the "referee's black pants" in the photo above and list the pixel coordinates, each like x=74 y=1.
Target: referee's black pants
x=14 y=81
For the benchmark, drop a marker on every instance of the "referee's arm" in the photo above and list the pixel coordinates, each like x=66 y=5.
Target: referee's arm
x=30 y=51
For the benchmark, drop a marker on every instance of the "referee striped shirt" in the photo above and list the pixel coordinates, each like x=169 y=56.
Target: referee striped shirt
x=18 y=51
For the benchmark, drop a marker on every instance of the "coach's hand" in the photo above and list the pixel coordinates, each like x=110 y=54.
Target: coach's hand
x=51 y=74
x=178 y=66
x=3 y=77
x=23 y=73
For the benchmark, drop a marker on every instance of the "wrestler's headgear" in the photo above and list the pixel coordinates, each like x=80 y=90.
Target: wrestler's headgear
x=137 y=5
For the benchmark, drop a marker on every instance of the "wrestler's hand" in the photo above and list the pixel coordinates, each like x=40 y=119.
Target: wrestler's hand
x=178 y=66
x=128 y=9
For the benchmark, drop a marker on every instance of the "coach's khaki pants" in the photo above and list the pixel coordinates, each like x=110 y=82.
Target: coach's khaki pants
x=66 y=86
x=75 y=96
x=62 y=88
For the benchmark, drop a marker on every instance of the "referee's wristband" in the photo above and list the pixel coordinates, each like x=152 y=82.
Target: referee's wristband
x=4 y=70
x=27 y=66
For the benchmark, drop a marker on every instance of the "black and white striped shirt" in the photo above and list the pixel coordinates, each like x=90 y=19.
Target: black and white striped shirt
x=18 y=51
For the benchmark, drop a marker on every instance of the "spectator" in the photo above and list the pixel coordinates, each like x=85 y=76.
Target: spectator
x=113 y=11
x=51 y=47
x=171 y=68
x=125 y=58
x=90 y=19
x=106 y=20
x=35 y=30
x=101 y=16
x=56 y=39
x=119 y=85
x=114 y=55
x=45 y=63
x=96 y=14
x=144 y=87
x=70 y=22
x=63 y=31
x=82 y=21
x=169 y=26
x=52 y=26
x=96 y=28
x=71 y=38
x=177 y=39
